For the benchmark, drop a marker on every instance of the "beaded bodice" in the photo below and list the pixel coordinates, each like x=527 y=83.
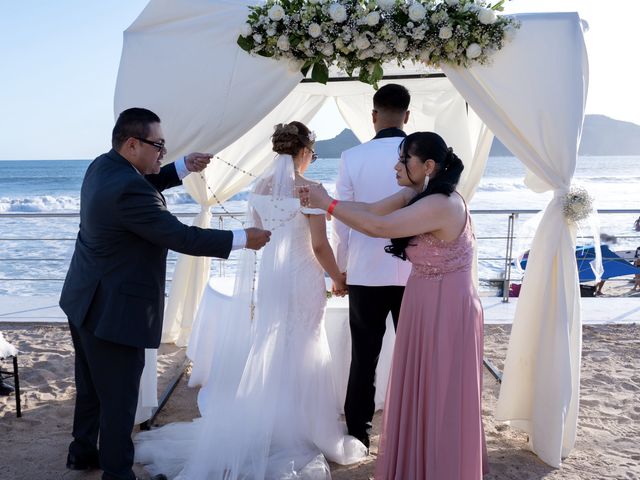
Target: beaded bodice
x=433 y=258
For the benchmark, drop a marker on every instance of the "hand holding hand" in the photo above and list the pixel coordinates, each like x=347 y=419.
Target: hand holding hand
x=196 y=162
x=314 y=196
x=339 y=286
x=257 y=238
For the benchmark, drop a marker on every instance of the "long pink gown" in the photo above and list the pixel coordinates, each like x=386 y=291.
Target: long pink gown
x=432 y=425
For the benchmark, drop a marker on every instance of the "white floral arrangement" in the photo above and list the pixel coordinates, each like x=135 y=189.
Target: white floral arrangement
x=360 y=35
x=577 y=204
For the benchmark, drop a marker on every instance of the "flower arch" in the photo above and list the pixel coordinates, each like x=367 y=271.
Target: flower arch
x=360 y=36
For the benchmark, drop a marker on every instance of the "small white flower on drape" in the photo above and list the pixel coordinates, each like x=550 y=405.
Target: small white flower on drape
x=577 y=204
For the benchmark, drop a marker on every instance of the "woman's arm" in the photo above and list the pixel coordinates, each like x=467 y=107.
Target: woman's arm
x=386 y=205
x=426 y=215
x=322 y=249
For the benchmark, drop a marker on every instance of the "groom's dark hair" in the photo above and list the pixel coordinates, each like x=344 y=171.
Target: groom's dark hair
x=133 y=122
x=392 y=98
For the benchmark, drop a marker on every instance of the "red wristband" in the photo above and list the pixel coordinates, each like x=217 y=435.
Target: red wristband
x=332 y=206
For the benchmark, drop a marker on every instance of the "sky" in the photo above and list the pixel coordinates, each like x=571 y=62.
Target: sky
x=59 y=61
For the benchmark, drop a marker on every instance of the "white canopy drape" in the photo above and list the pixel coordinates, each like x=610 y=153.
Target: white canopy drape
x=542 y=127
x=181 y=61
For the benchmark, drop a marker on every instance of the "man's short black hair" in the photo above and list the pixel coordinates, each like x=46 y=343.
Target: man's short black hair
x=392 y=98
x=133 y=122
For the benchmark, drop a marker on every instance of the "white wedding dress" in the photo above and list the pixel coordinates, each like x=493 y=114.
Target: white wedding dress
x=269 y=408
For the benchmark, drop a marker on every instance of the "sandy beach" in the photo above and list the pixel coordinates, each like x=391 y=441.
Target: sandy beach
x=34 y=446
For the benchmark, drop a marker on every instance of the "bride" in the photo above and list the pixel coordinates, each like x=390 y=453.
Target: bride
x=269 y=407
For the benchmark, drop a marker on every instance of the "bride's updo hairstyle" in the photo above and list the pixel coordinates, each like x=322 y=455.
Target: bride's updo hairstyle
x=290 y=138
x=428 y=146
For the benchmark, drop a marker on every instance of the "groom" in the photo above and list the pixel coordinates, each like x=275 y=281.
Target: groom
x=113 y=294
x=376 y=280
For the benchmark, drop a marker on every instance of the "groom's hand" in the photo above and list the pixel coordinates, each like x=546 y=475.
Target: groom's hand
x=257 y=238
x=196 y=162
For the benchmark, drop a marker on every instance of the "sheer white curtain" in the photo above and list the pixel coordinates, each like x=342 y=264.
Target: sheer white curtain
x=532 y=96
x=252 y=152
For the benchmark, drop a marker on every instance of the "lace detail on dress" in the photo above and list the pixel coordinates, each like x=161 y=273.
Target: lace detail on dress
x=432 y=258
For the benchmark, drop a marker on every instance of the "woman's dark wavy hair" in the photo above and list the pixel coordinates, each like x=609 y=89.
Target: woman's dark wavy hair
x=425 y=146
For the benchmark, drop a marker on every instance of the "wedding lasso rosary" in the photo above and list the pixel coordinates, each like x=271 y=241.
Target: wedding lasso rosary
x=282 y=223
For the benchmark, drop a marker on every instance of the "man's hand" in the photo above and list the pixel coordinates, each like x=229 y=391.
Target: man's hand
x=256 y=238
x=339 y=288
x=196 y=162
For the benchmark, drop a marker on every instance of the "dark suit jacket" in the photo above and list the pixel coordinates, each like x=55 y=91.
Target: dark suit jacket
x=116 y=279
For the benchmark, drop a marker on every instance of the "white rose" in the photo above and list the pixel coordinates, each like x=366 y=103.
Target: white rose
x=295 y=65
x=487 y=16
x=372 y=19
x=445 y=33
x=386 y=4
x=327 y=50
x=271 y=31
x=314 y=30
x=276 y=13
x=339 y=43
x=314 y=1
x=452 y=3
x=362 y=43
x=337 y=12
x=246 y=30
x=380 y=48
x=441 y=16
x=283 y=43
x=473 y=51
x=401 y=44
x=424 y=56
x=417 y=12
x=364 y=54
x=509 y=33
x=257 y=38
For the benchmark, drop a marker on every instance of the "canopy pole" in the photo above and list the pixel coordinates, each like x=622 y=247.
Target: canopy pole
x=386 y=77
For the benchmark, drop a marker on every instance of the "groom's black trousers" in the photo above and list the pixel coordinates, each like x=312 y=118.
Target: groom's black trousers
x=107 y=378
x=368 y=311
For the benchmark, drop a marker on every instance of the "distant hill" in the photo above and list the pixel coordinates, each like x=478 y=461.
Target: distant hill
x=600 y=136
x=334 y=147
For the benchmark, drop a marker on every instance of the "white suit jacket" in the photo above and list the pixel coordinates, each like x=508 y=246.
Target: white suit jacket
x=367 y=175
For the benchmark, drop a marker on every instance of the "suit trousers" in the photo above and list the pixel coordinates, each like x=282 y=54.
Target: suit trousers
x=107 y=379
x=368 y=311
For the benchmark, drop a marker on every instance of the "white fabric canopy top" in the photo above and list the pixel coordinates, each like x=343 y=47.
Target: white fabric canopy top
x=181 y=60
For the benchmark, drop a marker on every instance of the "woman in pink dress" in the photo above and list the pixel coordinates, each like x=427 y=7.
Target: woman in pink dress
x=432 y=426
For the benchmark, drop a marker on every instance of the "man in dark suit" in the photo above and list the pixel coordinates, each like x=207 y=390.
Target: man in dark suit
x=113 y=294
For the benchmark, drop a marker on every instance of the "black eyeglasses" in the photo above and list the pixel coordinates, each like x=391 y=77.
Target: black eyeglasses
x=158 y=145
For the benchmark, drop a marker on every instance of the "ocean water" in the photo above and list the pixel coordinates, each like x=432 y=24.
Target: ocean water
x=53 y=186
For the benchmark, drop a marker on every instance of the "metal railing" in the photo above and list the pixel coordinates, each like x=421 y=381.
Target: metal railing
x=499 y=283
